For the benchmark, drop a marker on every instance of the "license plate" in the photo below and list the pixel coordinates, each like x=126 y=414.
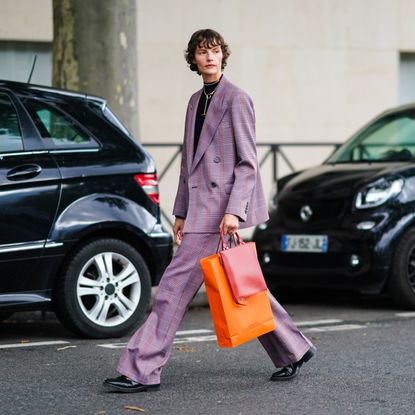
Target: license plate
x=304 y=243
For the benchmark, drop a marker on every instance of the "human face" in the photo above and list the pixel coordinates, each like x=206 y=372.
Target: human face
x=209 y=62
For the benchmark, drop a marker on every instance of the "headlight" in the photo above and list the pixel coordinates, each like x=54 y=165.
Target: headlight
x=378 y=193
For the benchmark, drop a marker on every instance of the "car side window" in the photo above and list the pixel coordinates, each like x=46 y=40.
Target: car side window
x=10 y=134
x=56 y=128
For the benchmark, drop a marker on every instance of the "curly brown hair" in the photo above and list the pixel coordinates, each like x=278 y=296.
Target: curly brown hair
x=208 y=38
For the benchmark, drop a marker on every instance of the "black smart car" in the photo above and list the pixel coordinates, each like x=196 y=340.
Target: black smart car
x=351 y=221
x=80 y=229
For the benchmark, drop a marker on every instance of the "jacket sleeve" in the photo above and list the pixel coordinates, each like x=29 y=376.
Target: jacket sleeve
x=245 y=170
x=181 y=201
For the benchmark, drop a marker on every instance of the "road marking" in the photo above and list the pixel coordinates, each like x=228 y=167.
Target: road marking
x=175 y=341
x=179 y=340
x=406 y=314
x=113 y=345
x=317 y=322
x=32 y=344
x=200 y=331
x=195 y=339
x=340 y=327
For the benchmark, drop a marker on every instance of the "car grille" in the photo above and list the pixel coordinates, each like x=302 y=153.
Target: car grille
x=325 y=213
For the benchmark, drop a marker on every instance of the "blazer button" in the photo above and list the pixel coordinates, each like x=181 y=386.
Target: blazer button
x=213 y=184
x=216 y=159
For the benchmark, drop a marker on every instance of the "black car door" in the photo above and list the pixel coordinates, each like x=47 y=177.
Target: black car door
x=29 y=192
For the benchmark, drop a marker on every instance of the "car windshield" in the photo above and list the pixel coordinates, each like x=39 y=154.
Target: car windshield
x=388 y=138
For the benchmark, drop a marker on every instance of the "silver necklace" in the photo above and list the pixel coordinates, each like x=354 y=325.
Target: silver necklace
x=208 y=97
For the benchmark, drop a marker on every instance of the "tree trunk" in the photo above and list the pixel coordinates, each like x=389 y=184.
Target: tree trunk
x=95 y=51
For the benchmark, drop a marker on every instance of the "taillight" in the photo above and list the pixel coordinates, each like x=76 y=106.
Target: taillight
x=150 y=184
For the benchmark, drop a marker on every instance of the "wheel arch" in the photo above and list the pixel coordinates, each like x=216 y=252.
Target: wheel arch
x=97 y=210
x=397 y=284
x=387 y=244
x=103 y=215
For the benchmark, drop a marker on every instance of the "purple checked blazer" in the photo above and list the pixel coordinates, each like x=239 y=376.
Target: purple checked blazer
x=223 y=177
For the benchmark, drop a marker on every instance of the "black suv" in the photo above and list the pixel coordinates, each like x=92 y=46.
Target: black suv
x=351 y=221
x=80 y=229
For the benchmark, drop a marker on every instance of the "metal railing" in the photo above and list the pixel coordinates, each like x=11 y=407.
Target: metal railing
x=275 y=151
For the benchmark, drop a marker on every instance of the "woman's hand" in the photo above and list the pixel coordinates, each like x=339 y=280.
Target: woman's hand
x=229 y=224
x=178 y=230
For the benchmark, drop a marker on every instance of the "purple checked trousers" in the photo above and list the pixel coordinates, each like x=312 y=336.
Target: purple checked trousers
x=149 y=348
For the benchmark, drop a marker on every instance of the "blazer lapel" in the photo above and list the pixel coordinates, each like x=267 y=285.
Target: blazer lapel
x=190 y=130
x=214 y=116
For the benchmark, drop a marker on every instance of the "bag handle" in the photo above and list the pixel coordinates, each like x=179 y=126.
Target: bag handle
x=236 y=238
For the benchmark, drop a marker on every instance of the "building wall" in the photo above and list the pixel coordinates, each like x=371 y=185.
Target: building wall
x=316 y=69
x=26 y=20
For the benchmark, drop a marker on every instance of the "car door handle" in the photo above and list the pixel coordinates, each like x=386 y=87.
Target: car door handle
x=26 y=171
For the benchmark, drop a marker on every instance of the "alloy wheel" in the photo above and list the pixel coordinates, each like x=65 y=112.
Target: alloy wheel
x=108 y=289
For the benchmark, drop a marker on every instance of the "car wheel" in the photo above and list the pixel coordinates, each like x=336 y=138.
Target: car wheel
x=104 y=290
x=402 y=277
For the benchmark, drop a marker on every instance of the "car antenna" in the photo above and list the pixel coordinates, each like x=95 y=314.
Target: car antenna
x=33 y=67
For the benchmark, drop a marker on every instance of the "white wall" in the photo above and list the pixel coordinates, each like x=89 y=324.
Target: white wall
x=26 y=20
x=317 y=69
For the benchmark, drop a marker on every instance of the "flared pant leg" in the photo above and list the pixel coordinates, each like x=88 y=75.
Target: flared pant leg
x=149 y=348
x=286 y=344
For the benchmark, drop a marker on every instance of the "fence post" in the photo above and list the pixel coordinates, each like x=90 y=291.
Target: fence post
x=275 y=148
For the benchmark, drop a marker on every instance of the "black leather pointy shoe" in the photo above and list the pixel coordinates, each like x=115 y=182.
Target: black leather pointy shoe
x=291 y=371
x=123 y=384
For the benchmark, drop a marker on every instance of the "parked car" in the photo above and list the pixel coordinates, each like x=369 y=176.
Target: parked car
x=351 y=221
x=80 y=229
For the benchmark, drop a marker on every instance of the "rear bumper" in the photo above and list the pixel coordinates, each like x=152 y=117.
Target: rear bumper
x=161 y=244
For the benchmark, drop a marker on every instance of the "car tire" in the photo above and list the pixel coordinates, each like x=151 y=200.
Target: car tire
x=402 y=274
x=104 y=290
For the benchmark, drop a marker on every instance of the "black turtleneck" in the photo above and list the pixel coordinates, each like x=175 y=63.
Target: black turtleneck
x=200 y=117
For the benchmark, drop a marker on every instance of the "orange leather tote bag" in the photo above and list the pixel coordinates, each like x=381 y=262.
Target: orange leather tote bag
x=235 y=323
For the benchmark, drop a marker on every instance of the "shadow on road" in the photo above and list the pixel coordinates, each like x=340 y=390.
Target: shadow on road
x=33 y=325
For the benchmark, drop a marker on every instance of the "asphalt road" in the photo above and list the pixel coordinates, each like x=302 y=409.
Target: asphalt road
x=364 y=365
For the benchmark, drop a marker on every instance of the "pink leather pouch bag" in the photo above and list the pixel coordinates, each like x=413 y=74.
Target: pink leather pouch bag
x=242 y=269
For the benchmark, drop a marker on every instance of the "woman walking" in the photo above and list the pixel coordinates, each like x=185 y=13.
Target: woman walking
x=219 y=189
